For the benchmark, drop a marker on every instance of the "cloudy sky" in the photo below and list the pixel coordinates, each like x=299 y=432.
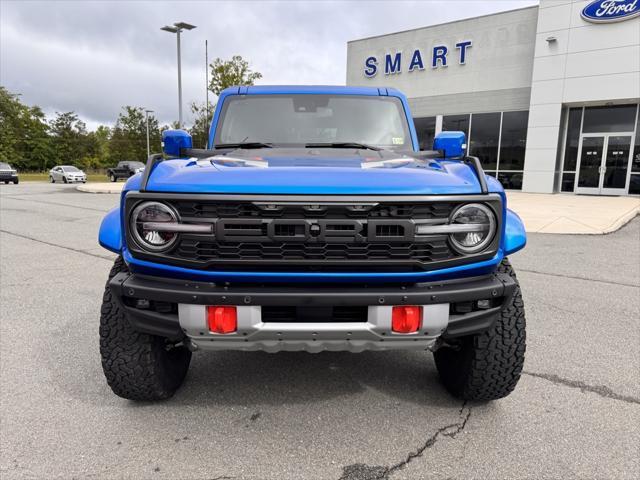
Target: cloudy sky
x=93 y=57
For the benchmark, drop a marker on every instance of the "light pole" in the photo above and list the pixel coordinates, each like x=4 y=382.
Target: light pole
x=146 y=114
x=177 y=28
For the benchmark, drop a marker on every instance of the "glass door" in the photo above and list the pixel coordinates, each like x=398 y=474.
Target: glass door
x=591 y=151
x=604 y=164
x=616 y=165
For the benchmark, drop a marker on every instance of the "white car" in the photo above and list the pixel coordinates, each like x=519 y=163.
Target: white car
x=67 y=174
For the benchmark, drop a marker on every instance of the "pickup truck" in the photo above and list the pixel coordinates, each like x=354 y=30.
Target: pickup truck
x=312 y=223
x=124 y=170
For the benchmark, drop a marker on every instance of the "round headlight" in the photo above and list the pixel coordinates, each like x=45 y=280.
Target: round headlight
x=480 y=223
x=147 y=215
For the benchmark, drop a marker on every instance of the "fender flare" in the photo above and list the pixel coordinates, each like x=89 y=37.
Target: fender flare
x=515 y=237
x=110 y=234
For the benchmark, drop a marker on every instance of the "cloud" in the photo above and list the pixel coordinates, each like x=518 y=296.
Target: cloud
x=94 y=57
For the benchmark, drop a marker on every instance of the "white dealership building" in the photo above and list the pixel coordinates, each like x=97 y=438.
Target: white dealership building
x=547 y=95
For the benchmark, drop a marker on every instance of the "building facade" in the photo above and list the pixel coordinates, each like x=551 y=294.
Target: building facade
x=547 y=95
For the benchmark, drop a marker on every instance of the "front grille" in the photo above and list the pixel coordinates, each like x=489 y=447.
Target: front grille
x=198 y=209
x=292 y=314
x=436 y=250
x=312 y=234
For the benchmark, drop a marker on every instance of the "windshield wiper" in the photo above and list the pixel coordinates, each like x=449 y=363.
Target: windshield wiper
x=362 y=146
x=247 y=145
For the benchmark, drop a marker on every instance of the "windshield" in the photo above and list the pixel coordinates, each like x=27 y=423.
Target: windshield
x=68 y=168
x=136 y=164
x=299 y=119
x=5 y=166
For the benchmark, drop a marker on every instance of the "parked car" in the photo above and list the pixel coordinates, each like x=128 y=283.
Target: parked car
x=8 y=173
x=124 y=170
x=67 y=174
x=312 y=223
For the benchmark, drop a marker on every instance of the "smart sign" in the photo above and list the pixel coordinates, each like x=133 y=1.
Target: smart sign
x=605 y=11
x=396 y=63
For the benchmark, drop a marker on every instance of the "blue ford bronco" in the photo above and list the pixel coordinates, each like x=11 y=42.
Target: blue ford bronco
x=312 y=222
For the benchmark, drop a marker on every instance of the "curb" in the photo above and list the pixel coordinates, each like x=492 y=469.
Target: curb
x=100 y=187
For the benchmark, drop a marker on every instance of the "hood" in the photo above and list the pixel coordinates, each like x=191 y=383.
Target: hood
x=313 y=171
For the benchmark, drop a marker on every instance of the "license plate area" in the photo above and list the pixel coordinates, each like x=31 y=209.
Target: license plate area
x=306 y=314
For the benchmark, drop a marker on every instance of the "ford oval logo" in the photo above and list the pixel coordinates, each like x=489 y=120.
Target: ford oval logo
x=602 y=11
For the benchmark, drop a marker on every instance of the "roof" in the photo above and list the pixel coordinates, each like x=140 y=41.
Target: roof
x=309 y=89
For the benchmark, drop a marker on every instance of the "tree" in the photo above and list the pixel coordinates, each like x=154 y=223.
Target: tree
x=200 y=129
x=227 y=73
x=129 y=137
x=24 y=140
x=69 y=138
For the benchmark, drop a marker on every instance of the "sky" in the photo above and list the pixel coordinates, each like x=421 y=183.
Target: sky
x=93 y=57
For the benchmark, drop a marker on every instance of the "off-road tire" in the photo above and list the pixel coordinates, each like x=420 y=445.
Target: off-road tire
x=487 y=366
x=137 y=366
x=113 y=178
x=15 y=182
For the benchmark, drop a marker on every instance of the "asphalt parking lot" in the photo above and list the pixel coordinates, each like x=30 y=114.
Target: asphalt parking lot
x=575 y=413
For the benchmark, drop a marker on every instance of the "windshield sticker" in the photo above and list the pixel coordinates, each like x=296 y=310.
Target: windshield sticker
x=398 y=140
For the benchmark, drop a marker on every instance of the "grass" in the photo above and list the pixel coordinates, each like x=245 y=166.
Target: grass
x=44 y=177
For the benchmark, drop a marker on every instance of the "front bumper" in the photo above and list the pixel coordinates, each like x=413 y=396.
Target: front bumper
x=76 y=179
x=176 y=309
x=8 y=177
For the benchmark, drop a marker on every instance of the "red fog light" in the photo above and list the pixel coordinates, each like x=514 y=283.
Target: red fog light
x=406 y=319
x=222 y=319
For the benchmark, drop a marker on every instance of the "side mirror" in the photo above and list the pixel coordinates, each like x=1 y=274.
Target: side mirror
x=453 y=144
x=174 y=140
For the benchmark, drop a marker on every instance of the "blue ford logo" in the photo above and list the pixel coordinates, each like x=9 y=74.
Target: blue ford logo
x=602 y=11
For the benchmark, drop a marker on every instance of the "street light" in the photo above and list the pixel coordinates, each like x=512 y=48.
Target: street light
x=146 y=114
x=177 y=28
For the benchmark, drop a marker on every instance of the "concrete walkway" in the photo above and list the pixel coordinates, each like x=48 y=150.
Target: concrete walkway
x=541 y=213
x=572 y=214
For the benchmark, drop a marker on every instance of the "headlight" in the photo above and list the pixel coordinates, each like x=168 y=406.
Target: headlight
x=477 y=226
x=145 y=229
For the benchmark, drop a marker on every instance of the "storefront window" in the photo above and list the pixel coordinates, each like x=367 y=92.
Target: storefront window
x=634 y=180
x=426 y=130
x=568 y=181
x=618 y=118
x=484 y=138
x=573 y=140
x=456 y=123
x=514 y=140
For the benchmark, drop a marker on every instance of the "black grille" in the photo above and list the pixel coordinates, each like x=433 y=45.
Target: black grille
x=192 y=209
x=314 y=235
x=432 y=251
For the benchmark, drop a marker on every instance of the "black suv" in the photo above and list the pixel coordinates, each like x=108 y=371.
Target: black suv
x=124 y=170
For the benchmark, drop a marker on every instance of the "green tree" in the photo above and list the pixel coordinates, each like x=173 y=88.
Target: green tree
x=128 y=139
x=69 y=138
x=227 y=73
x=200 y=129
x=24 y=140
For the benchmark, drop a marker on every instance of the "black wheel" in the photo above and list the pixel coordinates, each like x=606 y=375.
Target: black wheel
x=113 y=178
x=6 y=182
x=64 y=179
x=15 y=182
x=137 y=366
x=487 y=366
x=51 y=179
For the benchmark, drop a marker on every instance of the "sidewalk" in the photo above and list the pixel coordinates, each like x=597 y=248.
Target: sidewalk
x=572 y=214
x=540 y=212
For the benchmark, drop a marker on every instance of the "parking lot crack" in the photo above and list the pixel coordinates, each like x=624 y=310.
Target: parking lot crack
x=75 y=250
x=601 y=390
x=361 y=471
